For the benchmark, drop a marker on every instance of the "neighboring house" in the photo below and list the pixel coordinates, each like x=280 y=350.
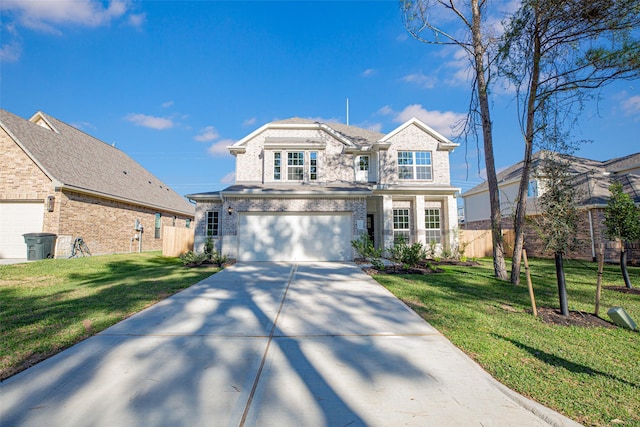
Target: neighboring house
x=592 y=179
x=304 y=190
x=57 y=179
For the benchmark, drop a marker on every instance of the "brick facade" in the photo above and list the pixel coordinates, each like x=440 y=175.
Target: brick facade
x=106 y=225
x=227 y=242
x=21 y=178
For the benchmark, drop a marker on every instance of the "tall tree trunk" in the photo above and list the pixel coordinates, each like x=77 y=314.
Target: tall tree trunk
x=623 y=266
x=521 y=203
x=499 y=265
x=562 y=287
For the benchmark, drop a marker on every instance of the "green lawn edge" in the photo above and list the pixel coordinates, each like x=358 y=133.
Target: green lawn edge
x=591 y=375
x=49 y=305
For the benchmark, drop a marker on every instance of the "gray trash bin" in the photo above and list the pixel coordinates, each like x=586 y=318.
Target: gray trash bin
x=39 y=245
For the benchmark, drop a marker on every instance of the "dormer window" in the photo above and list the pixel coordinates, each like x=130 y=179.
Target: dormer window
x=414 y=165
x=363 y=164
x=277 y=164
x=295 y=166
x=313 y=166
x=362 y=168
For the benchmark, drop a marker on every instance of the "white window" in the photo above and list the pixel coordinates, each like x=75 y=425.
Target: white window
x=401 y=224
x=362 y=168
x=295 y=166
x=313 y=166
x=414 y=165
x=363 y=163
x=277 y=164
x=432 y=225
x=212 y=223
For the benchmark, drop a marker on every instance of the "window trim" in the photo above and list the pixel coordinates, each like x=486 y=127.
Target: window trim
x=313 y=166
x=295 y=165
x=362 y=163
x=397 y=230
x=212 y=225
x=409 y=167
x=277 y=166
x=433 y=214
x=157 y=225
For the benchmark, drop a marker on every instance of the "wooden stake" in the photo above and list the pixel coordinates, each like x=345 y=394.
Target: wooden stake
x=599 y=283
x=529 y=284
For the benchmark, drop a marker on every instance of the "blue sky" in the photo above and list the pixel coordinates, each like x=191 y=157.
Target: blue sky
x=172 y=83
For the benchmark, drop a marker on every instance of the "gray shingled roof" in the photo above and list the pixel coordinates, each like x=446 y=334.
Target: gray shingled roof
x=357 y=135
x=592 y=176
x=75 y=160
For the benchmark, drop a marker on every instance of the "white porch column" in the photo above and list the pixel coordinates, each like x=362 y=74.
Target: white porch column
x=451 y=219
x=418 y=220
x=387 y=221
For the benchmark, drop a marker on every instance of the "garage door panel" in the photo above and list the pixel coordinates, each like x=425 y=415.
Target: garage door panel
x=17 y=219
x=295 y=237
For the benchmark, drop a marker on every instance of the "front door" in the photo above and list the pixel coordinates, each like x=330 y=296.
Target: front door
x=370 y=227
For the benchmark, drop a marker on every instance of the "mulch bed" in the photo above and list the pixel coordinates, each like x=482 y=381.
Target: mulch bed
x=575 y=318
x=427 y=267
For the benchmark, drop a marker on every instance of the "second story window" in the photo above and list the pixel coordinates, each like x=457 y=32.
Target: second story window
x=295 y=166
x=313 y=166
x=276 y=166
x=414 y=165
x=363 y=163
x=212 y=223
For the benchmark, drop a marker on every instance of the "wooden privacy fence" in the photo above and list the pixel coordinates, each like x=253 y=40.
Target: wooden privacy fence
x=479 y=243
x=176 y=240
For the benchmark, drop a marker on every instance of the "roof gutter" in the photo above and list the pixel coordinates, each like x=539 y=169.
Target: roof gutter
x=296 y=193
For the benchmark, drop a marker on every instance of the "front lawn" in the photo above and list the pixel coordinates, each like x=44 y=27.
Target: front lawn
x=49 y=305
x=591 y=375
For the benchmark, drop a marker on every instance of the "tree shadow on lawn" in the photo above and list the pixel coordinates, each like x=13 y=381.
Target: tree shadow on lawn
x=553 y=360
x=123 y=288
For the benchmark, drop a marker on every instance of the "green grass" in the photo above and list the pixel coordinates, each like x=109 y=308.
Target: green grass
x=591 y=375
x=49 y=305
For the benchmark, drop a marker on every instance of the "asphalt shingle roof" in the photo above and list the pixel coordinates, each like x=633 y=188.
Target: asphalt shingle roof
x=593 y=177
x=74 y=159
x=357 y=135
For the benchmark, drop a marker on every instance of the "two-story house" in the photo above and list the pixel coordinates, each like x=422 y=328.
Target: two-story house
x=592 y=179
x=304 y=190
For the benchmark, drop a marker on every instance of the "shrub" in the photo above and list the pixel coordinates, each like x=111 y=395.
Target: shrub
x=208 y=248
x=218 y=259
x=191 y=257
x=409 y=255
x=366 y=249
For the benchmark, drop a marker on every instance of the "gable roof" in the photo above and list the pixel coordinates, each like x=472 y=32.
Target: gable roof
x=350 y=136
x=79 y=162
x=593 y=177
x=443 y=142
x=353 y=137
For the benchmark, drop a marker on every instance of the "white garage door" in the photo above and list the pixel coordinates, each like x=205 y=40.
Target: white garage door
x=17 y=219
x=294 y=237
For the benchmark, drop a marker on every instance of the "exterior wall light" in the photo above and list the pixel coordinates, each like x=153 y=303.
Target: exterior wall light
x=49 y=203
x=230 y=210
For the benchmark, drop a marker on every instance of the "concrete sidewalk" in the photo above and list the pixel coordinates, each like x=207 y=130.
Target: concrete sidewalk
x=264 y=344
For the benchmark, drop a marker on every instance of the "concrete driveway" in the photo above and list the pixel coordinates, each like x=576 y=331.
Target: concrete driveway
x=265 y=344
